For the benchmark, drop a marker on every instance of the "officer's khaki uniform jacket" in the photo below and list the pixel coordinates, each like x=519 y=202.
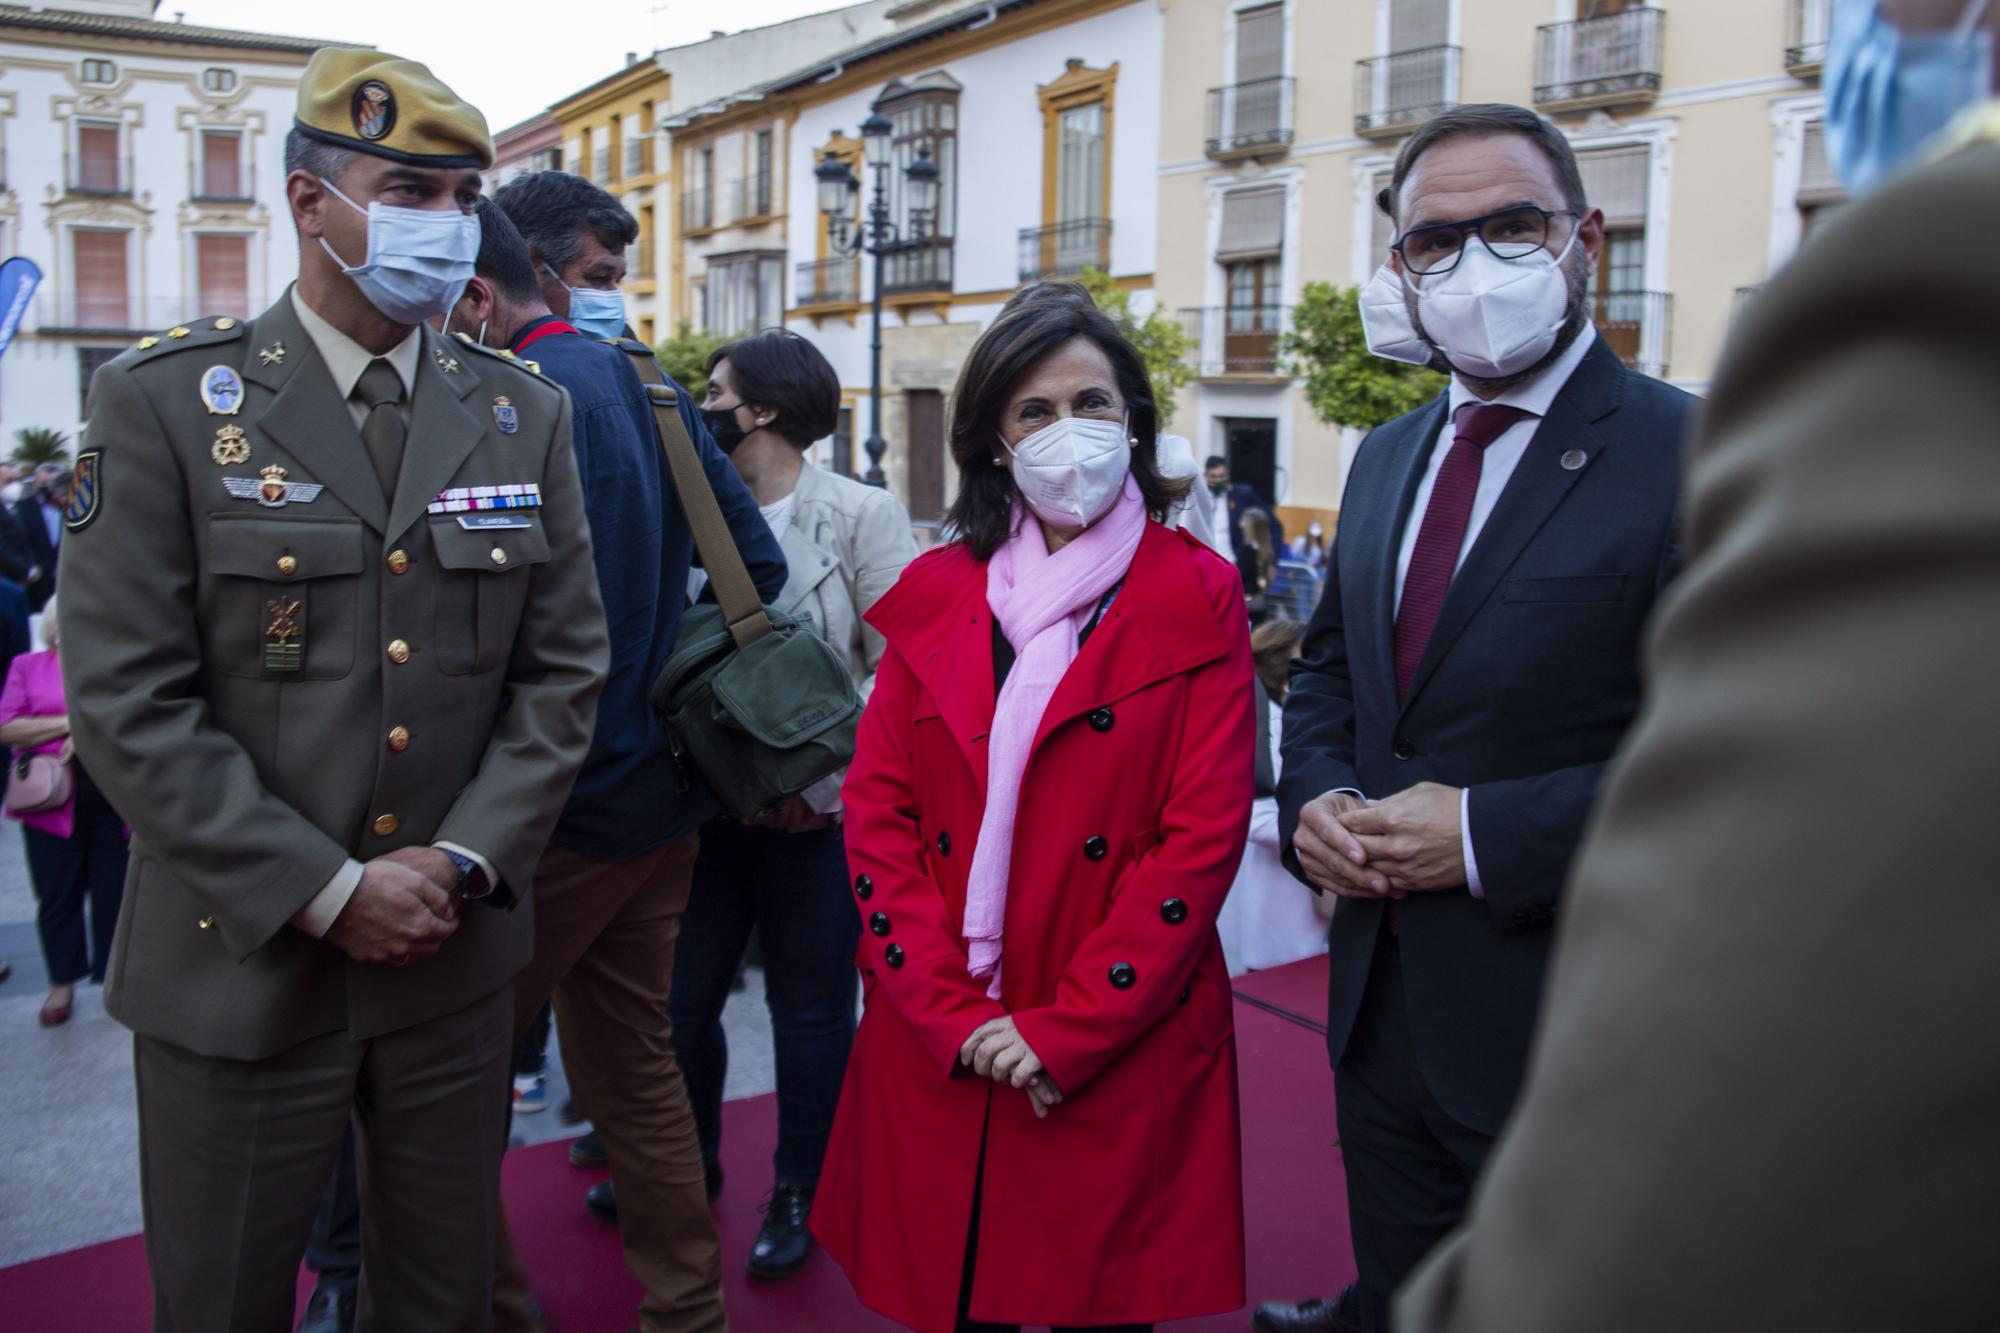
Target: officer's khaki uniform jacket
x=248 y=787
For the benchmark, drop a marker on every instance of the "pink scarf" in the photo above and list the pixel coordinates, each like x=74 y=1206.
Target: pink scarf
x=1042 y=602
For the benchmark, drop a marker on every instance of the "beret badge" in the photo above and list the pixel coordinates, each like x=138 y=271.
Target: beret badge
x=374 y=110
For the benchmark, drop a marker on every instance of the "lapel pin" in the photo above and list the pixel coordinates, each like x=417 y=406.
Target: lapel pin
x=1574 y=459
x=505 y=419
x=274 y=355
x=230 y=447
x=449 y=365
x=221 y=390
x=273 y=492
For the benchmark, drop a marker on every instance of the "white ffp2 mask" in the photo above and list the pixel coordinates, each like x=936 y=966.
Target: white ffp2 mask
x=1495 y=317
x=1071 y=470
x=1385 y=321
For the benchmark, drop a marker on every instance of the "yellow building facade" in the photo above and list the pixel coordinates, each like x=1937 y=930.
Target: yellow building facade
x=610 y=134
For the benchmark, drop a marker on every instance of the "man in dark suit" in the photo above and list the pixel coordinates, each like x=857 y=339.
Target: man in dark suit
x=1471 y=667
x=1233 y=503
x=38 y=519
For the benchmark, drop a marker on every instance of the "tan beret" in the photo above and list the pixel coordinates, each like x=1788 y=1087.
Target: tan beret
x=380 y=104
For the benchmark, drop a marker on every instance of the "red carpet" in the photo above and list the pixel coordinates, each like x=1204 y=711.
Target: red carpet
x=1297 y=1207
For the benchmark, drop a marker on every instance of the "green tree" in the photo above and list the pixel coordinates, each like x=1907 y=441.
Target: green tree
x=1162 y=342
x=39 y=444
x=685 y=357
x=1345 y=383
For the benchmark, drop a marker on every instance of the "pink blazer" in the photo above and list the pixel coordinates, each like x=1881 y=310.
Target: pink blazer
x=35 y=689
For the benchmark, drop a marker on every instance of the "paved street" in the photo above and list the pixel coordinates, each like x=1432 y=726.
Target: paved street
x=68 y=1137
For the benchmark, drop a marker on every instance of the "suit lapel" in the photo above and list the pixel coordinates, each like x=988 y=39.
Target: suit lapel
x=443 y=431
x=308 y=417
x=1378 y=528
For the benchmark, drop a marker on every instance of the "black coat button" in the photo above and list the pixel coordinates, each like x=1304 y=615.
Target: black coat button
x=1123 y=975
x=1405 y=750
x=1173 y=911
x=879 y=923
x=944 y=844
x=1101 y=719
x=893 y=955
x=1095 y=847
x=864 y=888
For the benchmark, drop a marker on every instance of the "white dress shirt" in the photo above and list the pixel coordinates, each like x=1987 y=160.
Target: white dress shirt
x=1535 y=397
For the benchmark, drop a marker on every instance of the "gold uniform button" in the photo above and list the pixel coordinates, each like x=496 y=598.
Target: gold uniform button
x=206 y=923
x=385 y=825
x=225 y=325
x=399 y=652
x=399 y=739
x=399 y=562
x=288 y=565
x=499 y=556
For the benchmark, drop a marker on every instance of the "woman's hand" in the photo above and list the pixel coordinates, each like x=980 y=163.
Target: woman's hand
x=68 y=751
x=794 y=816
x=997 y=1050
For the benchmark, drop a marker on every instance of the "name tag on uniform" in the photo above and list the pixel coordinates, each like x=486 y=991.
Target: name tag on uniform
x=479 y=521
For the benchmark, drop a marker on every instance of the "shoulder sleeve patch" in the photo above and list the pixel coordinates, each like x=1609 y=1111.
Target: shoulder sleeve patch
x=86 y=494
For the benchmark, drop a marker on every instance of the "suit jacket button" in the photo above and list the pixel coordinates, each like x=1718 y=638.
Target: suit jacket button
x=399 y=652
x=1095 y=847
x=879 y=923
x=1102 y=720
x=1173 y=911
x=944 y=844
x=893 y=955
x=864 y=887
x=1405 y=750
x=1123 y=975
x=399 y=562
x=288 y=565
x=384 y=825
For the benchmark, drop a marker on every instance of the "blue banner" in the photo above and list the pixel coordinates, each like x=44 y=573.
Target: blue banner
x=18 y=279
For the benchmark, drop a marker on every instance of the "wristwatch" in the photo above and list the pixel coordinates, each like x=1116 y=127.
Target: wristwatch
x=472 y=882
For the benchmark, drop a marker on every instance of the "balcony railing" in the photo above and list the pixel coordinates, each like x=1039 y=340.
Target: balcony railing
x=600 y=165
x=1245 y=119
x=753 y=197
x=1395 y=92
x=1599 y=62
x=1636 y=325
x=638 y=158
x=698 y=210
x=1235 y=340
x=1811 y=21
x=919 y=266
x=829 y=282
x=1065 y=250
x=116 y=314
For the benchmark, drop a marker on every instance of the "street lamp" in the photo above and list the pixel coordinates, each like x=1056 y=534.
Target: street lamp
x=878 y=235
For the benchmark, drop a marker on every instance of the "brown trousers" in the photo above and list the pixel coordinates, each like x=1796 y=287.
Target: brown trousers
x=604 y=946
x=233 y=1155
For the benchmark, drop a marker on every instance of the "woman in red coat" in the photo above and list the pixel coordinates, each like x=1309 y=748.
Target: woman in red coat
x=1050 y=799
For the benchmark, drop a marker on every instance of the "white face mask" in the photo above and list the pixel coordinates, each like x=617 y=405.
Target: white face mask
x=1071 y=470
x=1495 y=317
x=1385 y=321
x=419 y=259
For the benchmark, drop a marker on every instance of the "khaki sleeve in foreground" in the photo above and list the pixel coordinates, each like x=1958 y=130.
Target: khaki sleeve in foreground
x=1764 y=1092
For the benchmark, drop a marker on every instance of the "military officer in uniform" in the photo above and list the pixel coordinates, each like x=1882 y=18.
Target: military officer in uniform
x=336 y=653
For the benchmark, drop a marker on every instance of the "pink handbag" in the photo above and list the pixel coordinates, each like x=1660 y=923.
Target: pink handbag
x=37 y=783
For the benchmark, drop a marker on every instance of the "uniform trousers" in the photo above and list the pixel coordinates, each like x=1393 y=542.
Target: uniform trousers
x=234 y=1154
x=604 y=947
x=87 y=865
x=1410 y=1166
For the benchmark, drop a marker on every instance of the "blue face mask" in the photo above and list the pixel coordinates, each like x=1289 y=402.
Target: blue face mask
x=418 y=261
x=1888 y=91
x=594 y=312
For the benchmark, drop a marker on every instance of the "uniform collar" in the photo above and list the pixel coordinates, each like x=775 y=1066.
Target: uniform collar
x=345 y=358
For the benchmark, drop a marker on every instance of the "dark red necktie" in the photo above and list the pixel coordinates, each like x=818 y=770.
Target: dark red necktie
x=1432 y=564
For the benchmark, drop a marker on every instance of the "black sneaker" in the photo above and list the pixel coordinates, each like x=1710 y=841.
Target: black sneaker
x=784 y=1243
x=587 y=1151
x=331 y=1309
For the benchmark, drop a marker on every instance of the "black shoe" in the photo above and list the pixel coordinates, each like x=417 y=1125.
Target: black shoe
x=602 y=1201
x=1313 y=1316
x=783 y=1243
x=569 y=1114
x=587 y=1151
x=713 y=1170
x=331 y=1309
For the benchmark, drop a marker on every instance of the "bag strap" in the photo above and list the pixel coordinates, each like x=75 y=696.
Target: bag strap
x=742 y=608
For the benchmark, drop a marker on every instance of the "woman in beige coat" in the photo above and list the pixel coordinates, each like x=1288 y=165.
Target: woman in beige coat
x=769 y=398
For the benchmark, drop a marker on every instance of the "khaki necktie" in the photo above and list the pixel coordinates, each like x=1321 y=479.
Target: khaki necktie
x=380 y=390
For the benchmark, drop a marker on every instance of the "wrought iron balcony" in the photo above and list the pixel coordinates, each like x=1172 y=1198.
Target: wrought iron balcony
x=1065 y=250
x=753 y=196
x=1598 y=62
x=1249 y=119
x=1811 y=21
x=917 y=266
x=1235 y=340
x=1394 y=93
x=1637 y=326
x=115 y=313
x=829 y=282
x=638 y=158
x=698 y=210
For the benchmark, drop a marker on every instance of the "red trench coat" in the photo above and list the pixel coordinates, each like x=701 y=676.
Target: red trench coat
x=1125 y=1205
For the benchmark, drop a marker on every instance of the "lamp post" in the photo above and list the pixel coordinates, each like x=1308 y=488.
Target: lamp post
x=878 y=235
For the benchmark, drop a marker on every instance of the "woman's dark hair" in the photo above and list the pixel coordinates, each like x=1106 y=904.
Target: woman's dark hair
x=787 y=374
x=1034 y=323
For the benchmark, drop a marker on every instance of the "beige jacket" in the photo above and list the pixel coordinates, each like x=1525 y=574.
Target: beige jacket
x=847 y=545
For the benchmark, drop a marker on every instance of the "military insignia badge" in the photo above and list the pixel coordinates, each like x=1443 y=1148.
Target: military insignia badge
x=179 y=331
x=504 y=416
x=221 y=390
x=273 y=492
x=86 y=491
x=374 y=110
x=230 y=447
x=284 y=643
x=274 y=355
x=148 y=343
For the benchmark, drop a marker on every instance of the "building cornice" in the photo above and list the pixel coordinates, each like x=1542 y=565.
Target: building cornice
x=633 y=78
x=68 y=28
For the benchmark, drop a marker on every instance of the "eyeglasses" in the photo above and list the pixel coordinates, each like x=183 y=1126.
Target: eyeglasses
x=1512 y=233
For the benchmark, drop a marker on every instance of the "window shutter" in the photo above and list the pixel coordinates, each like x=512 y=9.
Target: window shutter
x=1260 y=44
x=1417 y=24
x=1382 y=227
x=222 y=275
x=219 y=176
x=1818 y=184
x=1615 y=180
x=97 y=157
x=1253 y=224
x=101 y=291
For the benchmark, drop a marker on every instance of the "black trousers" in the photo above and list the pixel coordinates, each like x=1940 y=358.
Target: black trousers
x=88 y=864
x=1410 y=1166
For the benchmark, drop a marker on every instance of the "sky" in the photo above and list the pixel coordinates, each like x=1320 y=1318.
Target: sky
x=510 y=58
